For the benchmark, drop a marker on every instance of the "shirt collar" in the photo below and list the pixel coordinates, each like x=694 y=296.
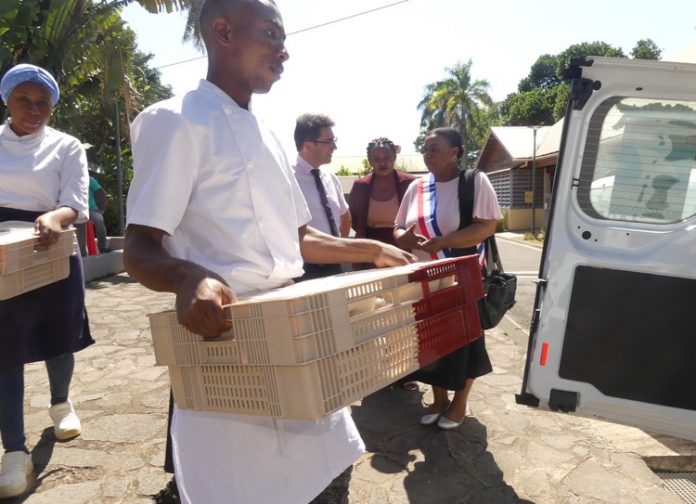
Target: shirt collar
x=210 y=89
x=303 y=166
x=9 y=135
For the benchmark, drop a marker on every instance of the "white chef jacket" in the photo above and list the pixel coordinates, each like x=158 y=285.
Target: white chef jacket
x=212 y=176
x=43 y=171
x=334 y=194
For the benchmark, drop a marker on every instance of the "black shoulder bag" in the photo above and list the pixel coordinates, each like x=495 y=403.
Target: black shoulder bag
x=500 y=287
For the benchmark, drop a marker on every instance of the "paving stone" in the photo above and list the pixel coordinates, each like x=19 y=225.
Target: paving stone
x=129 y=428
x=76 y=493
x=503 y=453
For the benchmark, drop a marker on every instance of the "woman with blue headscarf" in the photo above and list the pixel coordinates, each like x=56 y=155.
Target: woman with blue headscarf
x=43 y=179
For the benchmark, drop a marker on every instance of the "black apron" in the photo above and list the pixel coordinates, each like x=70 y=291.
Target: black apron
x=45 y=322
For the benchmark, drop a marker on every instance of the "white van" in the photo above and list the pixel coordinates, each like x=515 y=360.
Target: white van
x=613 y=333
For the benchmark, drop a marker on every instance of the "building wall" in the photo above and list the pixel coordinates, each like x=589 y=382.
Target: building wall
x=520 y=219
x=502 y=184
x=522 y=182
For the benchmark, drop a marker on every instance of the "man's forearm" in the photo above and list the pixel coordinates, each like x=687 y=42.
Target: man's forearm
x=321 y=248
x=147 y=262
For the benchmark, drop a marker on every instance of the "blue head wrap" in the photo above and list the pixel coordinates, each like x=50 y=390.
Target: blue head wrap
x=25 y=72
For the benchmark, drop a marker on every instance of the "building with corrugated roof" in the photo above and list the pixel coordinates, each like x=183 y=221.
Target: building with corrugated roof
x=508 y=156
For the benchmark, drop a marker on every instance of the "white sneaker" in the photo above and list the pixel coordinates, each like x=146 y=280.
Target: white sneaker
x=16 y=466
x=66 y=425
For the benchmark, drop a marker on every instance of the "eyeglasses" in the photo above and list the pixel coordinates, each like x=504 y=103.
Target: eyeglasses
x=331 y=141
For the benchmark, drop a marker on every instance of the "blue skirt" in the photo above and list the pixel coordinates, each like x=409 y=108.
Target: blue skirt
x=46 y=322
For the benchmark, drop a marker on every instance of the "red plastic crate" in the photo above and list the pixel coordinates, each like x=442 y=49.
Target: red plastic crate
x=465 y=270
x=448 y=298
x=444 y=333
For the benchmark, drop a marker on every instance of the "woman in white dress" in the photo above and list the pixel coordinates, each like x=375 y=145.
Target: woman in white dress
x=428 y=224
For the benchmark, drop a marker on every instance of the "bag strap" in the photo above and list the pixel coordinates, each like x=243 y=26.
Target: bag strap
x=465 y=191
x=493 y=256
x=466 y=197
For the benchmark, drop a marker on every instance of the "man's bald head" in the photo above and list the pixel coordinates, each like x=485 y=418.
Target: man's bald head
x=245 y=40
x=212 y=9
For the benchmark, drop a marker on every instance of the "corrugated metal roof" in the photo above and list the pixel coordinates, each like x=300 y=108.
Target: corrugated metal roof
x=551 y=141
x=519 y=140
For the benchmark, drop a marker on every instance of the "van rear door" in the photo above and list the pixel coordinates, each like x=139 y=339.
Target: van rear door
x=614 y=328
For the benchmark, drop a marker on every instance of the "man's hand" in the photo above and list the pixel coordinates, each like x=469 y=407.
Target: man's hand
x=199 y=300
x=200 y=293
x=389 y=255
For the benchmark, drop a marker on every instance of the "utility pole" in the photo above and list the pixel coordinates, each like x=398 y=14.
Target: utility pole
x=119 y=169
x=534 y=129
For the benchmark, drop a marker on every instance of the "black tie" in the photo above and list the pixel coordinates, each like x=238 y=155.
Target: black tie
x=324 y=201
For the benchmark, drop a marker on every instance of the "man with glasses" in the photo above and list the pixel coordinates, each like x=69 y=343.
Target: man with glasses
x=316 y=143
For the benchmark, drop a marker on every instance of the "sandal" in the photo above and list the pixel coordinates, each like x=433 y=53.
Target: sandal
x=411 y=386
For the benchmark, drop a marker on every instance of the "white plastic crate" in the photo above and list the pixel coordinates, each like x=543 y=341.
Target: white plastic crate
x=19 y=247
x=309 y=320
x=306 y=391
x=26 y=280
x=279 y=341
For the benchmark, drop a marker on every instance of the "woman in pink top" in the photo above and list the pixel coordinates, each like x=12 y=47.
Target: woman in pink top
x=375 y=198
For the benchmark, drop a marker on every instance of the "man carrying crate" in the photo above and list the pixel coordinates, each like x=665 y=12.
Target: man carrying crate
x=214 y=211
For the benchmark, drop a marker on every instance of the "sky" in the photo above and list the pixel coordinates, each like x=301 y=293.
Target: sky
x=369 y=72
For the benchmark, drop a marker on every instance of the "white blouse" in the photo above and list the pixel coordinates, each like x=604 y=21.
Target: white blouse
x=485 y=206
x=43 y=171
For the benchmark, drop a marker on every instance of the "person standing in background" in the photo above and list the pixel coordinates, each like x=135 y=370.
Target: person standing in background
x=375 y=198
x=428 y=223
x=97 y=207
x=315 y=144
x=43 y=179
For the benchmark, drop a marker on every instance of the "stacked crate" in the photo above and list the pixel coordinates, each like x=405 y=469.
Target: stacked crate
x=306 y=350
x=24 y=265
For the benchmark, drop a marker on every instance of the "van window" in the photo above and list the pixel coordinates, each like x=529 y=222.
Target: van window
x=639 y=161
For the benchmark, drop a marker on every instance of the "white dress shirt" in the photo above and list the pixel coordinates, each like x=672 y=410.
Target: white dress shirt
x=43 y=171
x=210 y=174
x=334 y=193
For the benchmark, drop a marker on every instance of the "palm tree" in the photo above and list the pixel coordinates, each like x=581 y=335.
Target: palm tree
x=83 y=43
x=458 y=102
x=87 y=47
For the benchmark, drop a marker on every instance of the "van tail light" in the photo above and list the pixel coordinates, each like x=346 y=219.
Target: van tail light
x=544 y=354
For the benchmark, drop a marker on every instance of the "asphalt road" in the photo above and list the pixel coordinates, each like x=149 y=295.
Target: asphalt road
x=523 y=260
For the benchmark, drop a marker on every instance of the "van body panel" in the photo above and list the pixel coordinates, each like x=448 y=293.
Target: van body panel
x=613 y=334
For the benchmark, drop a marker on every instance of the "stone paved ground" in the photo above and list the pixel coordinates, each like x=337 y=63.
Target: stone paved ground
x=502 y=454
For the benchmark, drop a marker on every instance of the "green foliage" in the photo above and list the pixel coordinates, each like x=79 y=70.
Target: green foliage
x=586 y=49
x=343 y=171
x=646 y=49
x=93 y=56
x=502 y=224
x=536 y=106
x=542 y=75
x=460 y=102
x=539 y=236
x=542 y=96
x=366 y=168
x=400 y=166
